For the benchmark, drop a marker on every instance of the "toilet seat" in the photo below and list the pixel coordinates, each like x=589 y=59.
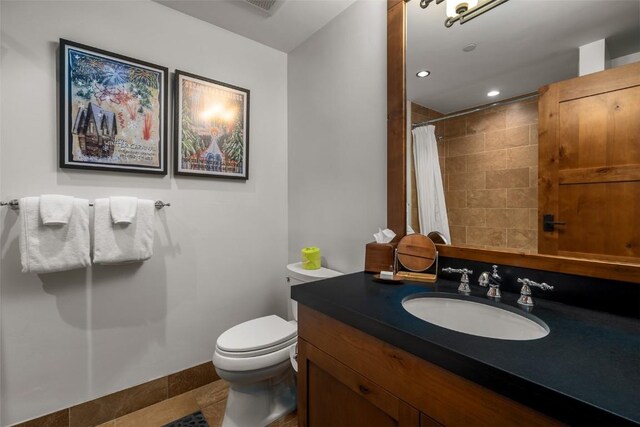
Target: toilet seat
x=242 y=364
x=255 y=344
x=257 y=334
x=258 y=352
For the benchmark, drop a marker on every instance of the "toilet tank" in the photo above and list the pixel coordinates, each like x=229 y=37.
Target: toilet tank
x=297 y=275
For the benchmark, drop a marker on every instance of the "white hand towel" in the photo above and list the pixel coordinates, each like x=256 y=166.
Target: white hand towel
x=46 y=249
x=55 y=209
x=123 y=209
x=120 y=243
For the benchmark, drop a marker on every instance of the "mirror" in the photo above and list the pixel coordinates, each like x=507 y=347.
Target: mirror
x=488 y=154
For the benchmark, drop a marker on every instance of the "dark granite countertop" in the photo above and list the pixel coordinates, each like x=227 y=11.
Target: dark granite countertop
x=585 y=372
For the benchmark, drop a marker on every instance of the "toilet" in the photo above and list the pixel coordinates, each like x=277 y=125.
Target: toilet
x=255 y=358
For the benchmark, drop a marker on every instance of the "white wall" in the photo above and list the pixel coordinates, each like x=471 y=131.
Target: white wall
x=593 y=57
x=220 y=249
x=337 y=136
x=624 y=60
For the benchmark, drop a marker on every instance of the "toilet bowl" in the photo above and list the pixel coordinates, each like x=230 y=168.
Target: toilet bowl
x=255 y=356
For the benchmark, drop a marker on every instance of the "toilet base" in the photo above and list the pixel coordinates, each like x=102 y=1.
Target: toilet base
x=257 y=398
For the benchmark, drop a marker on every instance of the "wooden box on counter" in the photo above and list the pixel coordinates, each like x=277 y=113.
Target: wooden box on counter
x=379 y=257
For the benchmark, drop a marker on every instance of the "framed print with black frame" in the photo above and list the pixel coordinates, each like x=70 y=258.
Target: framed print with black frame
x=113 y=111
x=211 y=128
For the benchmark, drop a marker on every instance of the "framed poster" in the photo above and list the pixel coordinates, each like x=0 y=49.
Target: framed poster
x=211 y=123
x=113 y=111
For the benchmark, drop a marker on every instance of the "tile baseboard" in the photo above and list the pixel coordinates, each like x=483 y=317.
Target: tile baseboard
x=115 y=405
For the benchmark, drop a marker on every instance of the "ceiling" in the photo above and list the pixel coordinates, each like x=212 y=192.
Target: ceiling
x=521 y=45
x=293 y=21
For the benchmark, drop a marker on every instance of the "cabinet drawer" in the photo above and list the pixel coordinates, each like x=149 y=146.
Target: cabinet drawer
x=336 y=395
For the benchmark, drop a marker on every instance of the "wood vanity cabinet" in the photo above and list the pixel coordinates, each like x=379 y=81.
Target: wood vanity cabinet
x=348 y=378
x=337 y=395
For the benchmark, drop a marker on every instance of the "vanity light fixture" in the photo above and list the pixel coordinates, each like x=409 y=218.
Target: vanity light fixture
x=464 y=10
x=423 y=73
x=493 y=93
x=456 y=7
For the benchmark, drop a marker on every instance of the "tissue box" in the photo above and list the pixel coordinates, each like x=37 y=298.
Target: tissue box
x=379 y=257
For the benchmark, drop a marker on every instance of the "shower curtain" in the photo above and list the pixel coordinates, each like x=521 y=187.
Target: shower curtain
x=432 y=210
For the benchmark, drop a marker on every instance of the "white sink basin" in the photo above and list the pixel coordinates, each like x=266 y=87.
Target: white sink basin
x=476 y=318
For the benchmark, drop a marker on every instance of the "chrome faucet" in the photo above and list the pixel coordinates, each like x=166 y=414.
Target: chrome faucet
x=464 y=280
x=525 y=293
x=493 y=280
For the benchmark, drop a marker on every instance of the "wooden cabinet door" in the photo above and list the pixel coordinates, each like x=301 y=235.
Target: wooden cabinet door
x=427 y=421
x=589 y=176
x=330 y=394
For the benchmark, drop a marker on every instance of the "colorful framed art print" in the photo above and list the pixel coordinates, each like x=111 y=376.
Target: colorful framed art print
x=211 y=126
x=113 y=111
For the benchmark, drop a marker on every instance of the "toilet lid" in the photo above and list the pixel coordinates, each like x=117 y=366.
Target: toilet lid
x=256 y=334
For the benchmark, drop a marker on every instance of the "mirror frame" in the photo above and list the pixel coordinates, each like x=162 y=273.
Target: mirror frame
x=396 y=175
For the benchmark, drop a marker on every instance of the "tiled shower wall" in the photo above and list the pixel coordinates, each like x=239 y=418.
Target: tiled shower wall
x=490 y=177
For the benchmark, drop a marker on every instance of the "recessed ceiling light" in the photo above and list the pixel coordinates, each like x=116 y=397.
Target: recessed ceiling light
x=469 y=47
x=494 y=93
x=423 y=73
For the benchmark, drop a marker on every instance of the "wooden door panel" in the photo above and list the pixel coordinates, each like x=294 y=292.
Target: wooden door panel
x=359 y=385
x=332 y=394
x=601 y=130
x=602 y=218
x=582 y=135
x=600 y=174
x=548 y=155
x=589 y=166
x=334 y=404
x=601 y=82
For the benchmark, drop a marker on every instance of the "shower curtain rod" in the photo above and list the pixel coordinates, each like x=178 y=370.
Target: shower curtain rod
x=474 y=110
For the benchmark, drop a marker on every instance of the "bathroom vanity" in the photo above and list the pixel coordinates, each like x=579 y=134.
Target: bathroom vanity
x=365 y=361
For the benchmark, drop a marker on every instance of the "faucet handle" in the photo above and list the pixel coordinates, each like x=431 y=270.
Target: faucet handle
x=529 y=282
x=525 y=293
x=542 y=286
x=495 y=274
x=457 y=270
x=464 y=280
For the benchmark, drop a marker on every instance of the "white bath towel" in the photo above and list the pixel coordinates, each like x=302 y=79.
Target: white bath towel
x=55 y=209
x=46 y=249
x=122 y=243
x=123 y=209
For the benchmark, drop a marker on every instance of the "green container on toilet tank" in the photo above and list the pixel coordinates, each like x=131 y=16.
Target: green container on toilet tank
x=310 y=258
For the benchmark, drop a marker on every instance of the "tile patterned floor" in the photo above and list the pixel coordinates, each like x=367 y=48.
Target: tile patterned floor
x=210 y=399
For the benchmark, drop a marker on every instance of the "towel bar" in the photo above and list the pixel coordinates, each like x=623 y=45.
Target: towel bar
x=15 y=205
